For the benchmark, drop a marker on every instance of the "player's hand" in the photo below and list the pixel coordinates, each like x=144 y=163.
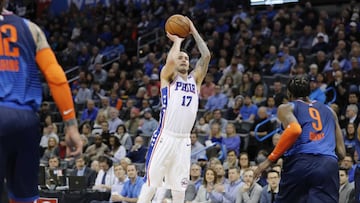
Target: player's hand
x=116 y=198
x=74 y=145
x=192 y=26
x=246 y=187
x=262 y=167
x=219 y=188
x=174 y=38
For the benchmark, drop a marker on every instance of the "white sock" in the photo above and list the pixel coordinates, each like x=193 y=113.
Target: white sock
x=146 y=194
x=178 y=196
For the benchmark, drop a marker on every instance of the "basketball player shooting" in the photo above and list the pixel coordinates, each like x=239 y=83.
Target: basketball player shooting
x=169 y=153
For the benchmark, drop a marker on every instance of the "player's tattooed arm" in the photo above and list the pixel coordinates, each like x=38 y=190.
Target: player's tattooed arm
x=203 y=63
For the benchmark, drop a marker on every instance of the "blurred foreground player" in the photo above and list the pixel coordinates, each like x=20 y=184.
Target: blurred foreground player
x=23 y=46
x=311 y=144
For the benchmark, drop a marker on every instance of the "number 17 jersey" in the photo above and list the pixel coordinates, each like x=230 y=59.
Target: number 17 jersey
x=180 y=102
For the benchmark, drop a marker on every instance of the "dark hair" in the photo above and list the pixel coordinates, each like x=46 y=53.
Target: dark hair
x=344 y=169
x=121 y=126
x=272 y=171
x=104 y=159
x=299 y=86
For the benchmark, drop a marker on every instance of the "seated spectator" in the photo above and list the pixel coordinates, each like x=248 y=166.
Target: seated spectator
x=216 y=101
x=83 y=93
x=248 y=111
x=250 y=191
x=90 y=112
x=350 y=138
x=316 y=93
x=348 y=164
x=207 y=188
x=281 y=65
x=138 y=151
x=97 y=93
x=347 y=190
x=270 y=191
x=99 y=73
x=105 y=177
x=228 y=192
x=233 y=112
x=124 y=137
x=148 y=124
x=232 y=139
x=96 y=150
x=220 y=171
x=117 y=151
x=196 y=147
x=95 y=166
x=195 y=176
x=217 y=118
x=100 y=117
x=118 y=186
x=132 y=124
x=115 y=101
x=54 y=174
x=47 y=133
x=259 y=98
x=201 y=127
x=215 y=136
x=82 y=170
x=124 y=162
x=132 y=187
x=114 y=119
x=263 y=130
x=105 y=106
x=208 y=88
x=244 y=162
x=105 y=133
x=231 y=161
x=51 y=150
x=271 y=109
x=321 y=44
x=86 y=134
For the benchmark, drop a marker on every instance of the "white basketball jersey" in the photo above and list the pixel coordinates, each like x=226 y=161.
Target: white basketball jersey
x=180 y=101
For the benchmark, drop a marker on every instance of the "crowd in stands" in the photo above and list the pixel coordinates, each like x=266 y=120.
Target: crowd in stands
x=254 y=52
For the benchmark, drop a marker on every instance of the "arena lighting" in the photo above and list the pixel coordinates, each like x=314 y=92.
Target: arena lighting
x=270 y=2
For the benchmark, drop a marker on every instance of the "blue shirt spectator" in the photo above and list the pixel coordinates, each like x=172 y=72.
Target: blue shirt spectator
x=249 y=110
x=281 y=65
x=217 y=101
x=90 y=113
x=132 y=187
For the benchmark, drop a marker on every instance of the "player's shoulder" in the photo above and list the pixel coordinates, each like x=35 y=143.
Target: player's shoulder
x=287 y=106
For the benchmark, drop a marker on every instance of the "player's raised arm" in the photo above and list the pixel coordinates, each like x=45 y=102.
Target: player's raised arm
x=168 y=70
x=203 y=63
x=59 y=87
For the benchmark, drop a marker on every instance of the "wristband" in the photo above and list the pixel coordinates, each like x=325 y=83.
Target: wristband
x=70 y=122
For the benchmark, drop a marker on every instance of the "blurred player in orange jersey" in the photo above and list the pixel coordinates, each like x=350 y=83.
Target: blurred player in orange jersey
x=23 y=51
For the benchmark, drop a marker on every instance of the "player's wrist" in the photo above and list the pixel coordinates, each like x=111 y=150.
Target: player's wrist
x=71 y=122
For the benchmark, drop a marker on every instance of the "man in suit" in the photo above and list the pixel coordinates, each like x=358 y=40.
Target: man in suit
x=347 y=190
x=82 y=170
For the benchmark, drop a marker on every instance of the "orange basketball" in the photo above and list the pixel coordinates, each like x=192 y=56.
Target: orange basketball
x=178 y=25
